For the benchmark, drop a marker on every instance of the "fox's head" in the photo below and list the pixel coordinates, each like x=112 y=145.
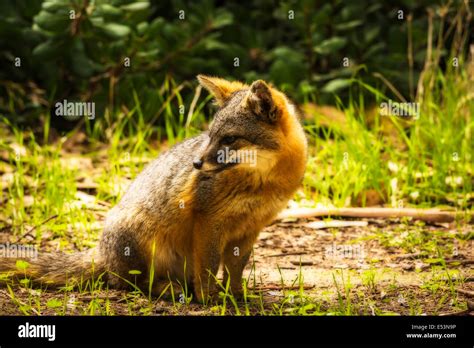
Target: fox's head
x=252 y=128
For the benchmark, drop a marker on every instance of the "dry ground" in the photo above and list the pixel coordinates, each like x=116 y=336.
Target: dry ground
x=387 y=267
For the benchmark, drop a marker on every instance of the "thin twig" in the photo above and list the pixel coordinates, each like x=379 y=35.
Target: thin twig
x=163 y=107
x=409 y=256
x=410 y=55
x=390 y=86
x=197 y=93
x=35 y=227
x=99 y=297
x=429 y=49
x=286 y=254
x=283 y=287
x=465 y=312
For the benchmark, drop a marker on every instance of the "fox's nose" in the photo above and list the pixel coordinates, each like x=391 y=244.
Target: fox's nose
x=198 y=163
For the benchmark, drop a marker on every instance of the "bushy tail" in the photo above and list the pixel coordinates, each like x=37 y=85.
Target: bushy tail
x=54 y=269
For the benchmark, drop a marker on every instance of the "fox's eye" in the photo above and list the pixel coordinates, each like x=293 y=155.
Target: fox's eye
x=228 y=140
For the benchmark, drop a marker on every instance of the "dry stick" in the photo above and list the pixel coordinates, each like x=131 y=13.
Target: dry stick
x=420 y=88
x=302 y=263
x=409 y=256
x=390 y=86
x=462 y=262
x=410 y=56
x=442 y=14
x=465 y=292
x=104 y=203
x=466 y=33
x=99 y=297
x=197 y=93
x=35 y=227
x=285 y=254
x=465 y=312
x=431 y=215
x=163 y=107
x=455 y=279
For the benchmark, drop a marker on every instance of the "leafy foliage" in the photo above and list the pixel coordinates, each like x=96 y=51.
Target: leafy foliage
x=103 y=49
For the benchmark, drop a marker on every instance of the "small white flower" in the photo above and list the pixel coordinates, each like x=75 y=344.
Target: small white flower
x=393 y=167
x=453 y=181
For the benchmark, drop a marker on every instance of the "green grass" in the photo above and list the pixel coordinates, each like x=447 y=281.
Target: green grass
x=431 y=157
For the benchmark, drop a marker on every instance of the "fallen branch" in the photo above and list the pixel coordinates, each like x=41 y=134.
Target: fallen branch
x=455 y=279
x=98 y=297
x=465 y=312
x=429 y=215
x=465 y=292
x=317 y=225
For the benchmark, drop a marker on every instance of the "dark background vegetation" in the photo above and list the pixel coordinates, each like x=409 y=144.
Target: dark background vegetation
x=83 y=58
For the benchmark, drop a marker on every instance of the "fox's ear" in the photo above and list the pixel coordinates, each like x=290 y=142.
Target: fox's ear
x=221 y=89
x=260 y=101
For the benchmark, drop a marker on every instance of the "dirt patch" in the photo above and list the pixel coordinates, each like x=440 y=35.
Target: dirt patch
x=387 y=267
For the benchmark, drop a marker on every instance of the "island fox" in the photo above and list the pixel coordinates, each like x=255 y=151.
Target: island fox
x=192 y=209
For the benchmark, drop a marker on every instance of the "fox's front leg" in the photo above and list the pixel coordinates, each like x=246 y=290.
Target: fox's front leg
x=236 y=256
x=206 y=261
